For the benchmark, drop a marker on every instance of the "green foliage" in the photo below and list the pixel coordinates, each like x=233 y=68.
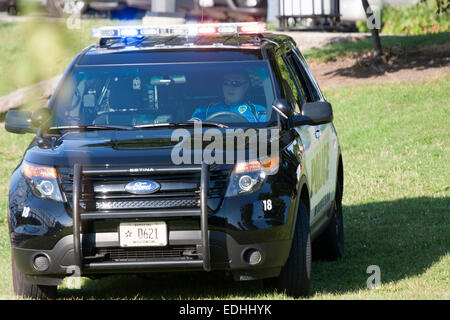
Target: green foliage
x=422 y=18
x=36 y=50
x=362 y=26
x=272 y=26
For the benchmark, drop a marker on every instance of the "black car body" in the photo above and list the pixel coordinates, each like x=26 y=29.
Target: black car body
x=71 y=222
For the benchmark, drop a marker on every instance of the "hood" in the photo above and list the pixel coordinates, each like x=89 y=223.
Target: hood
x=136 y=147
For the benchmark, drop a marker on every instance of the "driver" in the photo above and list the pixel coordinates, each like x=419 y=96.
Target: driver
x=235 y=87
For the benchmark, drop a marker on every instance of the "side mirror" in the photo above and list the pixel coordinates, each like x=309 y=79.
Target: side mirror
x=19 y=121
x=282 y=107
x=40 y=116
x=314 y=113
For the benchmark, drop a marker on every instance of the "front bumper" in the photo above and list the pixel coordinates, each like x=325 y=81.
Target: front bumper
x=64 y=236
x=226 y=254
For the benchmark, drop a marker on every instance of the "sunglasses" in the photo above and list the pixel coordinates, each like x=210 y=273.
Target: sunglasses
x=234 y=84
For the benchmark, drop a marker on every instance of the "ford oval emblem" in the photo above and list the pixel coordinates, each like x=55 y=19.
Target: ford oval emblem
x=142 y=187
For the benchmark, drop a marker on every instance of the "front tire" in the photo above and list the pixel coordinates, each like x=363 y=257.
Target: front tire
x=295 y=276
x=26 y=289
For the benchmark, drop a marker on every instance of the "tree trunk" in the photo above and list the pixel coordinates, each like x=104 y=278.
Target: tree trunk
x=373 y=30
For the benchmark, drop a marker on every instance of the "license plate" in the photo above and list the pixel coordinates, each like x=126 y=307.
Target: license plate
x=143 y=234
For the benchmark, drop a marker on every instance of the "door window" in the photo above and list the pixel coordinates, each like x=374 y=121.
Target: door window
x=303 y=78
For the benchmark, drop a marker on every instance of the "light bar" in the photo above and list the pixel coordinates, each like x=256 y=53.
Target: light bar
x=253 y=28
x=207 y=30
x=130 y=32
x=181 y=30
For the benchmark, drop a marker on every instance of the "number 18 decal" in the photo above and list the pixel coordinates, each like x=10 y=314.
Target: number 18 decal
x=267 y=204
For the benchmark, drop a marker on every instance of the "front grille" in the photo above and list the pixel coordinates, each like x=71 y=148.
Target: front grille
x=148 y=204
x=106 y=191
x=118 y=254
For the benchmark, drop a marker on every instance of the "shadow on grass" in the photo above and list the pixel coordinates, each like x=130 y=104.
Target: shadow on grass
x=396 y=59
x=403 y=237
x=402 y=52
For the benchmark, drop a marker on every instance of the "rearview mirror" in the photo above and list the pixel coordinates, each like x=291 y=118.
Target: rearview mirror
x=19 y=121
x=167 y=80
x=314 y=113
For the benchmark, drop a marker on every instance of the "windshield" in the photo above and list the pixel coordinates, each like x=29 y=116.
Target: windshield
x=139 y=95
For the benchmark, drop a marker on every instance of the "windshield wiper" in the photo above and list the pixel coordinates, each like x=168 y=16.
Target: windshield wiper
x=92 y=127
x=180 y=124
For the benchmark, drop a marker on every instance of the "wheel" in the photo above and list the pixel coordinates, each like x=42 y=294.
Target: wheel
x=330 y=244
x=28 y=290
x=295 y=276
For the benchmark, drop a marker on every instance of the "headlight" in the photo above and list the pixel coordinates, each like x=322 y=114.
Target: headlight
x=246 y=183
x=249 y=176
x=42 y=181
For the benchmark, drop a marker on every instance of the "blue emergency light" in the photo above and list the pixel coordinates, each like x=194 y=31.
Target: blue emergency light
x=181 y=30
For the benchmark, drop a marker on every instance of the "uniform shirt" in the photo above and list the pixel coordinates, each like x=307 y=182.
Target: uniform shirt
x=252 y=112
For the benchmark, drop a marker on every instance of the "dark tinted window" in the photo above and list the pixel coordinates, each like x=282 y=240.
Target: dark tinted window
x=303 y=78
x=291 y=92
x=150 y=94
x=165 y=56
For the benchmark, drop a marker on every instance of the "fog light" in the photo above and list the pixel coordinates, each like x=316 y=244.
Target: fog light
x=41 y=263
x=252 y=256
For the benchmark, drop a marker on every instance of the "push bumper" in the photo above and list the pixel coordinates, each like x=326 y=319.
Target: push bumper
x=226 y=254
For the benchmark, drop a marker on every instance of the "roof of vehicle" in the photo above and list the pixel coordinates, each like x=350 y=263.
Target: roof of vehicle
x=181 y=48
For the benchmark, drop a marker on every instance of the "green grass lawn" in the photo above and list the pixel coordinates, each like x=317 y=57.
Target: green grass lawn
x=396 y=150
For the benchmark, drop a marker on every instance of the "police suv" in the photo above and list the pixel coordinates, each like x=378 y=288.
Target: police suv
x=182 y=148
